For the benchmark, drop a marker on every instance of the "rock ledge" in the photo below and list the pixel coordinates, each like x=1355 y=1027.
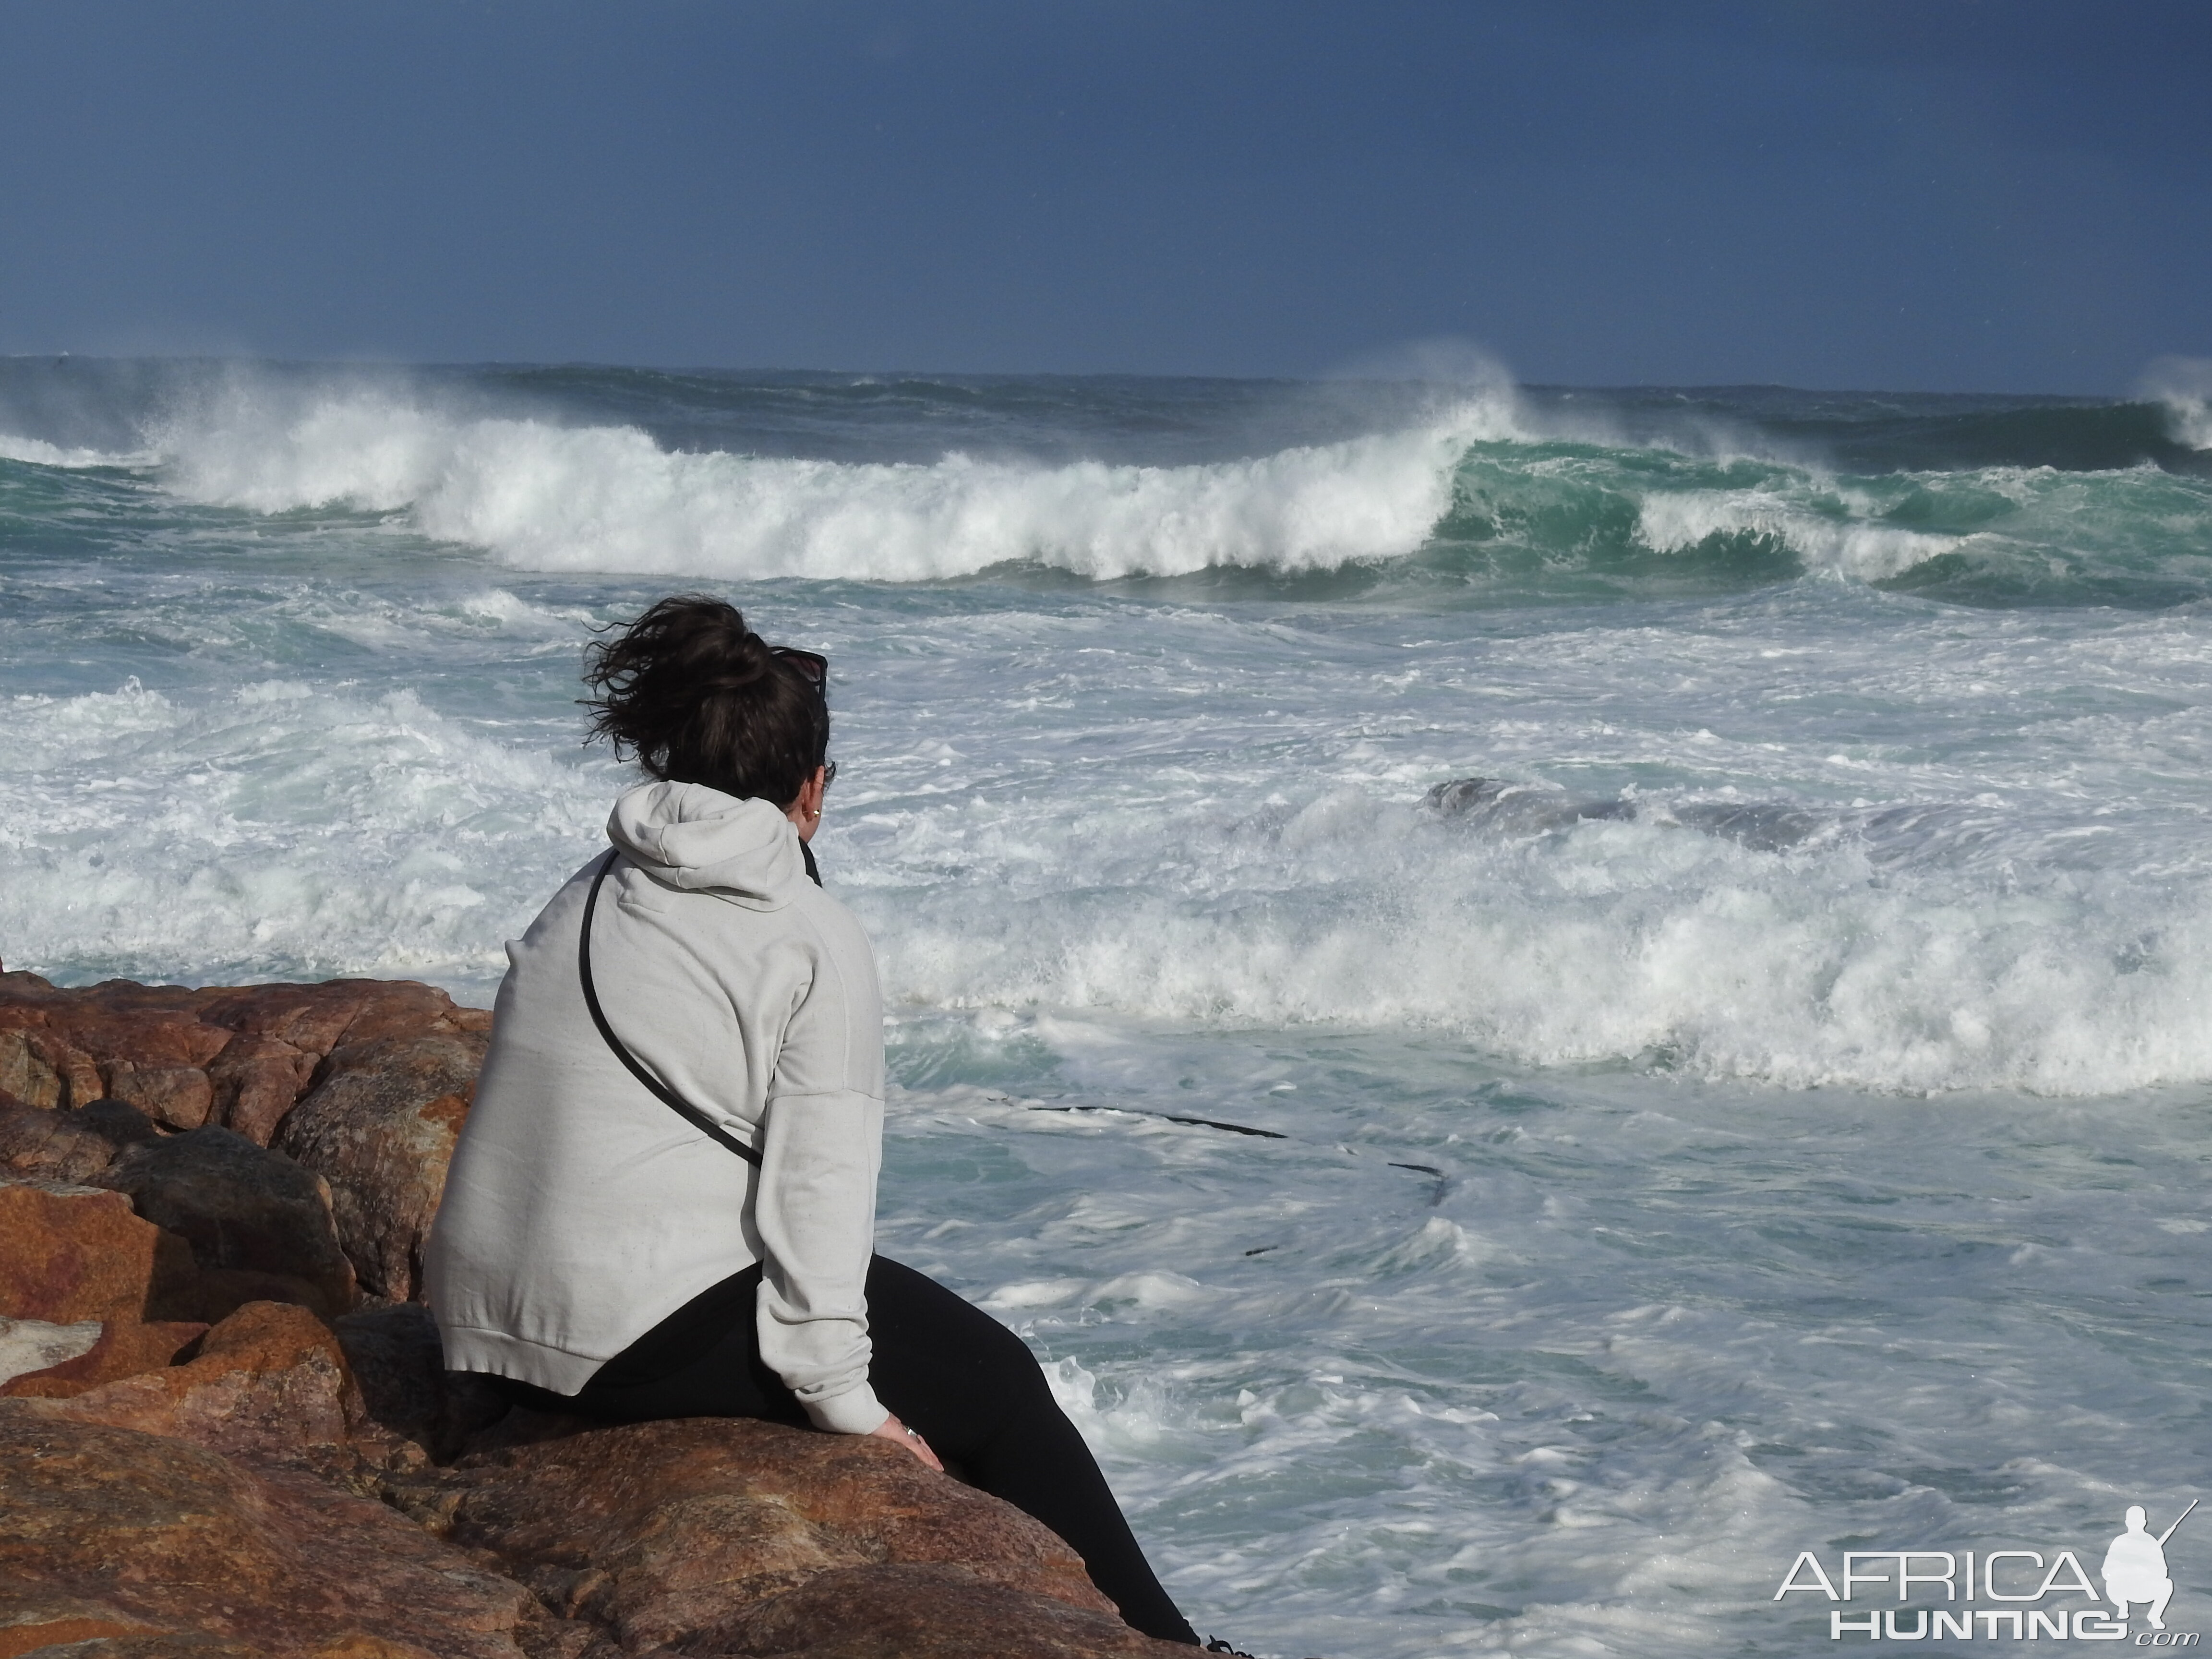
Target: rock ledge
x=226 y=1432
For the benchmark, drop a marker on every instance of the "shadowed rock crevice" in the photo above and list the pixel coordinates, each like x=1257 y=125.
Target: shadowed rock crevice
x=259 y=1225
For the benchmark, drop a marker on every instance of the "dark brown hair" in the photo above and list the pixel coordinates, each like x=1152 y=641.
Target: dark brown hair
x=699 y=697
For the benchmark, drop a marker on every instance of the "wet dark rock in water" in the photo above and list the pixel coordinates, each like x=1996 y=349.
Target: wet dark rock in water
x=1528 y=807
x=1764 y=829
x=1535 y=808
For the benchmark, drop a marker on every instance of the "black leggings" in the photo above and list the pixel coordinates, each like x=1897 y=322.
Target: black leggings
x=967 y=1384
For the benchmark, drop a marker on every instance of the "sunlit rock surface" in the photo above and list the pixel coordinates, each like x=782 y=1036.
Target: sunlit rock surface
x=228 y=1433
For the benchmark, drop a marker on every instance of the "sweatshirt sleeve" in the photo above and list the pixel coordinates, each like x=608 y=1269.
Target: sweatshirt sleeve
x=821 y=1148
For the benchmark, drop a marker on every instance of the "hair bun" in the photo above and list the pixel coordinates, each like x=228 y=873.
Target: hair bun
x=700 y=698
x=750 y=655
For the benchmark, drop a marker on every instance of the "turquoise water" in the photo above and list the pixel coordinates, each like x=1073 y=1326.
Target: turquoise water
x=1770 y=1117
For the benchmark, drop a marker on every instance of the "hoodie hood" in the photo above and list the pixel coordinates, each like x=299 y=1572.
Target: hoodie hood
x=688 y=836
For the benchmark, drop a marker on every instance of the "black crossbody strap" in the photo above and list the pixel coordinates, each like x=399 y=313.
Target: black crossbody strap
x=668 y=1097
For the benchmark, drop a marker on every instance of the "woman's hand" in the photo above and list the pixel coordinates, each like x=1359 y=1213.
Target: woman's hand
x=898 y=1434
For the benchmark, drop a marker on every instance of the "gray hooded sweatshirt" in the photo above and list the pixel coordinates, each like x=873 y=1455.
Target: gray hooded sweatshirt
x=581 y=1211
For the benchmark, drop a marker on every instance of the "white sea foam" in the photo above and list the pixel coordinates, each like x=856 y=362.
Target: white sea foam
x=1609 y=941
x=1654 y=1323
x=2183 y=384
x=289 y=826
x=1671 y=522
x=279 y=830
x=38 y=453
x=1589 y=1392
x=609 y=499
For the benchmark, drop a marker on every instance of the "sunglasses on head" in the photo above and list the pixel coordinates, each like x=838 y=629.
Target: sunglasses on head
x=812 y=664
x=814 y=668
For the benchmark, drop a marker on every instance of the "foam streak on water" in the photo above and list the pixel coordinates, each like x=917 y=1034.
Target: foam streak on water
x=1767 y=1113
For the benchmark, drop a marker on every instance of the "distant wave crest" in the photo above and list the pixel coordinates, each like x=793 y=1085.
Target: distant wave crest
x=38 y=453
x=1852 y=547
x=1478 y=488
x=547 y=497
x=2183 y=384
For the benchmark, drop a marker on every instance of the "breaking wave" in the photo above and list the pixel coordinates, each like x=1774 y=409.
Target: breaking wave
x=1487 y=491
x=546 y=497
x=2183 y=386
x=283 y=829
x=1601 y=942
x=37 y=452
x=1869 y=551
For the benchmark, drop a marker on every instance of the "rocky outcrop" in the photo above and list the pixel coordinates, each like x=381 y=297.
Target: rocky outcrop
x=268 y=1384
x=69 y=1254
x=228 y=1433
x=378 y=1074
x=669 y=1533
x=135 y=1537
x=380 y=1127
x=120 y=1348
x=259 y=1226
x=238 y=1056
x=61 y=1144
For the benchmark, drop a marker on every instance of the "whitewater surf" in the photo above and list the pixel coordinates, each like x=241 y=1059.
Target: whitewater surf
x=1804 y=1012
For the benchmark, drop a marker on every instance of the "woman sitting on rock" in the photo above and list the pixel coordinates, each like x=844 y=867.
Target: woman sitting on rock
x=663 y=1202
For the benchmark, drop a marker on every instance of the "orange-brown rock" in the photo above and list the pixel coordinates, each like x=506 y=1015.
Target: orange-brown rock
x=165 y=1645
x=164 y=1501
x=897 y=1611
x=668 y=1531
x=61 y=1144
x=269 y=1383
x=160 y=1547
x=76 y=1252
x=48 y=1625
x=118 y=1042
x=145 y=1546
x=240 y=1056
x=125 y=1348
x=256 y=1080
x=391 y=1065
x=260 y=1227
x=380 y=1128
x=359 y=1644
x=42 y=1068
x=285 y=1031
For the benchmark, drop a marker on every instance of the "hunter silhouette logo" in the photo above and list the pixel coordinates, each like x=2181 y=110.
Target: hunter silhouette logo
x=2134 y=1566
x=2002 y=1595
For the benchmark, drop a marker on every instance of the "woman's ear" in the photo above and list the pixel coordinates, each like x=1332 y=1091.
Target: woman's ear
x=806 y=811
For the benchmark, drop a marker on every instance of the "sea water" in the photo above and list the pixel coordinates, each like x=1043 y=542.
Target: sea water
x=1769 y=1113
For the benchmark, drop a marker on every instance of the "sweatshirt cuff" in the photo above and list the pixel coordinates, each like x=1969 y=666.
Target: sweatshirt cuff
x=856 y=1411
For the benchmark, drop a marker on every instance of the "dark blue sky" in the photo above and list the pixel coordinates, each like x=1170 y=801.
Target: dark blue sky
x=1932 y=194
